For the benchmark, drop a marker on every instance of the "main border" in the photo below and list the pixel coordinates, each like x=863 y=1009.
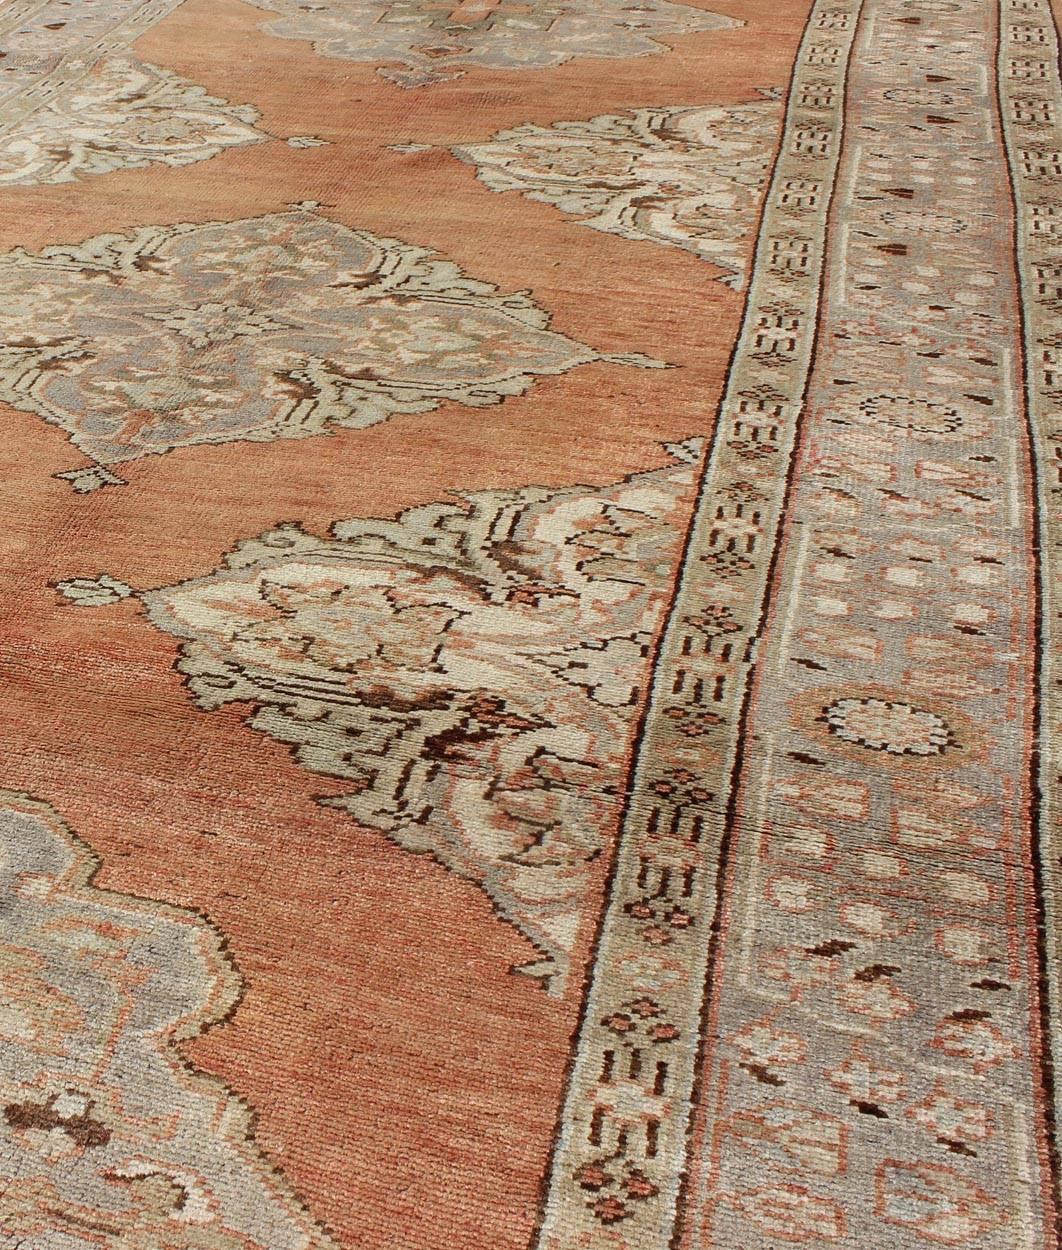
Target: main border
x=622 y=1139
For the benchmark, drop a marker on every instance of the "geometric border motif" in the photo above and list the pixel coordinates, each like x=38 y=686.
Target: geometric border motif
x=615 y=1175
x=618 y=1171
x=1030 y=93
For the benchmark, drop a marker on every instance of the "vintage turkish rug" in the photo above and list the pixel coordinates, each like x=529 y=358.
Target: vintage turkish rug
x=529 y=668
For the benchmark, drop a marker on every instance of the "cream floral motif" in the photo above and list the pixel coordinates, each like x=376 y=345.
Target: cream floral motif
x=106 y=1137
x=273 y=327
x=886 y=725
x=434 y=41
x=123 y=115
x=685 y=177
x=471 y=671
x=76 y=102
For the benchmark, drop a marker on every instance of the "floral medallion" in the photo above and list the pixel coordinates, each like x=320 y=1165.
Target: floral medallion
x=106 y=1136
x=432 y=42
x=77 y=102
x=125 y=114
x=470 y=671
x=273 y=327
x=684 y=177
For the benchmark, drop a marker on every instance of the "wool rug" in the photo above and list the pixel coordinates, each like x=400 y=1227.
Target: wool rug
x=529 y=647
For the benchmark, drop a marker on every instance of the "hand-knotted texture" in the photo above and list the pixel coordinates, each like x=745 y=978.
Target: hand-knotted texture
x=530 y=632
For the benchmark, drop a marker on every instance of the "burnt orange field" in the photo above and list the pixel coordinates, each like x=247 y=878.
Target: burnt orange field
x=526 y=566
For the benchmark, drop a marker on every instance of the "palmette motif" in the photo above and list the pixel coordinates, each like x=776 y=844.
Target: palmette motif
x=279 y=326
x=470 y=671
x=106 y=1136
x=684 y=177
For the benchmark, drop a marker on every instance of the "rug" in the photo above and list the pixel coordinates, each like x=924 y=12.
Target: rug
x=529 y=650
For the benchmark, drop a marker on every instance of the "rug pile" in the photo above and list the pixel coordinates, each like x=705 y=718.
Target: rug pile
x=529 y=641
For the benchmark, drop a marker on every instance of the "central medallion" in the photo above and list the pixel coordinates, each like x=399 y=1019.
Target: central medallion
x=272 y=327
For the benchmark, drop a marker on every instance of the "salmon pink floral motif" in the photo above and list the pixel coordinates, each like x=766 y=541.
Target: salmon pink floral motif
x=273 y=327
x=684 y=177
x=790 y=1213
x=106 y=1137
x=470 y=672
x=935 y=1202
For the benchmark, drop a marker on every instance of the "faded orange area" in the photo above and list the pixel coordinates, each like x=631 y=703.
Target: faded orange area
x=403 y=1079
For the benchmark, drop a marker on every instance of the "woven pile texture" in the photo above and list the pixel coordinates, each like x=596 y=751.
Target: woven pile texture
x=529 y=642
